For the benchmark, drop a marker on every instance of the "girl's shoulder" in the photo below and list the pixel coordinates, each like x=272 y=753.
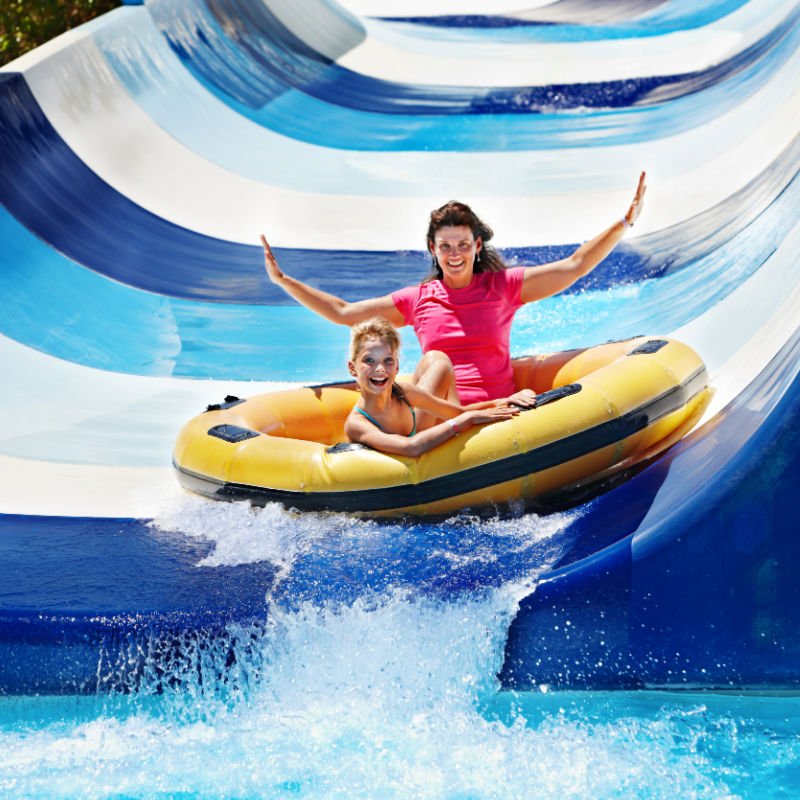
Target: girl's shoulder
x=400 y=392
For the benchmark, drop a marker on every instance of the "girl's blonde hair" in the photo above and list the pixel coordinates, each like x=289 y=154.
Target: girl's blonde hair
x=375 y=328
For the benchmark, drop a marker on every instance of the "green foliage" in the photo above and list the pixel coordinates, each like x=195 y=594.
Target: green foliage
x=25 y=25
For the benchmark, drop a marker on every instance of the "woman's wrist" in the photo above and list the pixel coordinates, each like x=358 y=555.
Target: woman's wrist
x=625 y=222
x=454 y=427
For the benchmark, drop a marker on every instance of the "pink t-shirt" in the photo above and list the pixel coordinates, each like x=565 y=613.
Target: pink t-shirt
x=472 y=325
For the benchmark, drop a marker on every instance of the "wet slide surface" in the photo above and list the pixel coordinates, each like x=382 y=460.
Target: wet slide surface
x=141 y=156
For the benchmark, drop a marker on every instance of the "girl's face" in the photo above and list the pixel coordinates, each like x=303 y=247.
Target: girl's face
x=455 y=249
x=375 y=367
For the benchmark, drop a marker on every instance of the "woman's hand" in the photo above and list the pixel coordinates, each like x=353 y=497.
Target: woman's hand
x=274 y=272
x=638 y=201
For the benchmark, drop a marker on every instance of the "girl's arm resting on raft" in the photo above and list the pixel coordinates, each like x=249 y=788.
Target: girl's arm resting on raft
x=328 y=305
x=361 y=431
x=445 y=409
x=549 y=279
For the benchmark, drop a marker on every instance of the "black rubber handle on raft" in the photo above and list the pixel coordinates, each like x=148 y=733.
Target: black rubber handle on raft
x=557 y=394
x=648 y=347
x=232 y=433
x=551 y=396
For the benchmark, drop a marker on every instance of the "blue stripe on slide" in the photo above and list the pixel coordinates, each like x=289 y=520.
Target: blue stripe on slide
x=231 y=33
x=126 y=565
x=125 y=593
x=568 y=22
x=102 y=323
x=103 y=230
x=178 y=103
x=303 y=114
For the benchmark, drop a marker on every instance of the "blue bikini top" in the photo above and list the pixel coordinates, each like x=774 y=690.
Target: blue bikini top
x=396 y=392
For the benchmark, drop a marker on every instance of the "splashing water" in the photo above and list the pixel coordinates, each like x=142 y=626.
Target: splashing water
x=337 y=557
x=377 y=679
x=395 y=697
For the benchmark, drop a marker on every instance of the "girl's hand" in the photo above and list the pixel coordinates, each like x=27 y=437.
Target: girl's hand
x=274 y=272
x=638 y=201
x=485 y=415
x=526 y=398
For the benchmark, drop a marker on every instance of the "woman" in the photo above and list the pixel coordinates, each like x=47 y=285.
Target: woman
x=462 y=313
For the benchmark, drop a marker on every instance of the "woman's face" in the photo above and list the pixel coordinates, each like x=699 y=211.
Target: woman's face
x=455 y=249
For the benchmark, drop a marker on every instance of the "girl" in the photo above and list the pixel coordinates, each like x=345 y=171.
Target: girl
x=385 y=416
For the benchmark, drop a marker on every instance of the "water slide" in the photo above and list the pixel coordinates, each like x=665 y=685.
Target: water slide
x=142 y=154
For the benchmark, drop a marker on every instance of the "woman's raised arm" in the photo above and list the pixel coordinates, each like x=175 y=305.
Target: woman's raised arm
x=549 y=279
x=328 y=305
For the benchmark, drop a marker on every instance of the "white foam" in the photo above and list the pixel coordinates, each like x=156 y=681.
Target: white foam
x=383 y=698
x=242 y=534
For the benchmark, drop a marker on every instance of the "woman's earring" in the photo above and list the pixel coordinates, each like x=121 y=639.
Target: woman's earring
x=478 y=257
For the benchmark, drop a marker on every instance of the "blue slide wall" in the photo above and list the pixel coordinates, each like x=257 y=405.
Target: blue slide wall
x=702 y=589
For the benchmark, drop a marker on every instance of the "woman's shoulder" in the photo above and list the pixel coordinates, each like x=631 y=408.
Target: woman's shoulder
x=506 y=281
x=503 y=275
x=409 y=295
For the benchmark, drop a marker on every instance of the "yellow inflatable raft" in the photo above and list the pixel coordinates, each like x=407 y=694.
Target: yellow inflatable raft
x=600 y=410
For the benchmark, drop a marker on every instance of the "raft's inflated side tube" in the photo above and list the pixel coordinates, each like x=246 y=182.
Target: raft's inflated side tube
x=600 y=410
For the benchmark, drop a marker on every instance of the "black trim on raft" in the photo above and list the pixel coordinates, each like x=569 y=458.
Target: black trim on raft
x=230 y=402
x=475 y=478
x=649 y=347
x=232 y=433
x=557 y=394
x=347 y=447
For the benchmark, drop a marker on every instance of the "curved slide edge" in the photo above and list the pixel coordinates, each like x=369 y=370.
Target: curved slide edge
x=228 y=34
x=190 y=264
x=703 y=590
